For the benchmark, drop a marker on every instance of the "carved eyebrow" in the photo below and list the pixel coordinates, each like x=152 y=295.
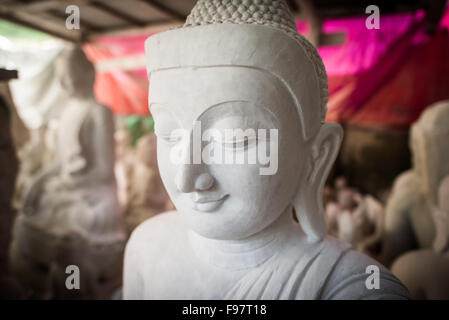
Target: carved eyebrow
x=165 y=111
x=156 y=104
x=272 y=119
x=217 y=105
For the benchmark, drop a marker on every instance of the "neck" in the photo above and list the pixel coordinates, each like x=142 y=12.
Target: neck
x=245 y=253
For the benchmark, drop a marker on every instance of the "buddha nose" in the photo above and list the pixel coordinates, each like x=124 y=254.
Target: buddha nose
x=191 y=178
x=192 y=173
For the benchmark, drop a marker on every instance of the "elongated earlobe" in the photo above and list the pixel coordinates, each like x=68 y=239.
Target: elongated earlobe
x=308 y=202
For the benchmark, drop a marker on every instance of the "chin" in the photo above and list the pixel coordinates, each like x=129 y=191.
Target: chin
x=213 y=226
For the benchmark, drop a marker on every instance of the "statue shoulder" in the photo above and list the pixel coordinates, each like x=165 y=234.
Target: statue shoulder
x=405 y=192
x=148 y=243
x=406 y=182
x=155 y=228
x=358 y=277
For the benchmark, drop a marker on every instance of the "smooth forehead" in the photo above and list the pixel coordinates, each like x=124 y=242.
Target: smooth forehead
x=188 y=92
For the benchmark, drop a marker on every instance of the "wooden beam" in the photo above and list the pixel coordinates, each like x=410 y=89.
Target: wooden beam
x=117 y=13
x=148 y=29
x=43 y=5
x=43 y=25
x=61 y=15
x=165 y=9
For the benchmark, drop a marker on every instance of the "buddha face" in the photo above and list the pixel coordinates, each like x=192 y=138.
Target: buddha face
x=225 y=200
x=75 y=73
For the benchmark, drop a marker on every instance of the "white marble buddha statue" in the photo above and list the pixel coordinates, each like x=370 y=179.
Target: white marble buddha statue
x=408 y=217
x=251 y=229
x=70 y=214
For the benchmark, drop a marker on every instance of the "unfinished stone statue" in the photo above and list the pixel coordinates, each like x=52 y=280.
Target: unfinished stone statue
x=340 y=199
x=408 y=218
x=235 y=79
x=147 y=195
x=362 y=226
x=70 y=214
x=424 y=271
x=354 y=218
x=35 y=155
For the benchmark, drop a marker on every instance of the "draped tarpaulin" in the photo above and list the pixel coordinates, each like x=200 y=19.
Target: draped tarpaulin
x=385 y=78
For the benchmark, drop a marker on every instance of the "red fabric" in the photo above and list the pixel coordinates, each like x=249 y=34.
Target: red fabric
x=421 y=79
x=400 y=83
x=125 y=92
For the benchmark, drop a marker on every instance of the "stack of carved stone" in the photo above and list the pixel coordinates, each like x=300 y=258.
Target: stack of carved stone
x=417 y=214
x=408 y=222
x=70 y=214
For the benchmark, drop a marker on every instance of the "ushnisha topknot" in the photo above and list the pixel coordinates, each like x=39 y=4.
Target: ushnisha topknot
x=270 y=13
x=257 y=34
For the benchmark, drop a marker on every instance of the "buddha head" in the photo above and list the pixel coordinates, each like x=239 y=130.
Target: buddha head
x=428 y=141
x=76 y=72
x=241 y=66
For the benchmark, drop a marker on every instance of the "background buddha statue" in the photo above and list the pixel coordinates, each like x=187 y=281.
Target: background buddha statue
x=243 y=229
x=424 y=271
x=408 y=221
x=70 y=214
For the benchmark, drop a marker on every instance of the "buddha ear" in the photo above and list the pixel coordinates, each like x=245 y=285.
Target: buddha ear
x=308 y=202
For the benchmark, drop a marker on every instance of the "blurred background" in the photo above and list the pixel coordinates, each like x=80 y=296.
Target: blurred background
x=74 y=90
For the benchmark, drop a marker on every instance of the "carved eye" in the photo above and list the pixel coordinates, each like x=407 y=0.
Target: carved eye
x=167 y=129
x=170 y=139
x=240 y=144
x=170 y=133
